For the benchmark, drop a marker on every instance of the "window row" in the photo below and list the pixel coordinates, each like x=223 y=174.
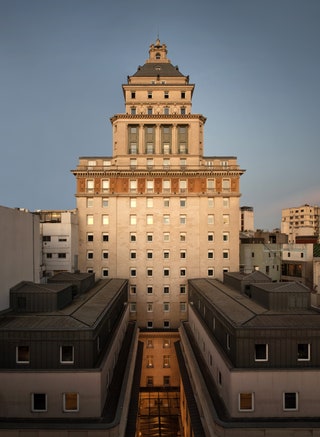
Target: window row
x=165 y=307
x=166 y=289
x=66 y=354
x=70 y=402
x=150 y=185
x=165 y=237
x=150 y=383
x=303 y=352
x=150 y=361
x=149 y=219
x=150 y=204
x=166 y=343
x=60 y=255
x=149 y=93
x=150 y=110
x=290 y=401
x=55 y=238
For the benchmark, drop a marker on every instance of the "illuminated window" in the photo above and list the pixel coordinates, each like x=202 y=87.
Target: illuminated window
x=70 y=402
x=246 y=402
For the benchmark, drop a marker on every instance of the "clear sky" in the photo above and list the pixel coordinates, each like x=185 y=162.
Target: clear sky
x=255 y=63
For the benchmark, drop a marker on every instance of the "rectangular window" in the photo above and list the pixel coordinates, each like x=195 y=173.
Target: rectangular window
x=105 y=202
x=211 y=184
x=166 y=186
x=22 y=354
x=149 y=219
x=226 y=219
x=149 y=94
x=166 y=219
x=149 y=202
x=166 y=236
x=149 y=272
x=210 y=254
x=133 y=219
x=225 y=237
x=133 y=307
x=303 y=352
x=225 y=202
x=105 y=219
x=166 y=324
x=149 y=381
x=182 y=289
x=182 y=185
x=226 y=185
x=210 y=219
x=89 y=219
x=89 y=236
x=183 y=254
x=89 y=202
x=166 y=94
x=105 y=185
x=133 y=289
x=246 y=402
x=166 y=254
x=90 y=185
x=290 y=401
x=105 y=273
x=166 y=306
x=66 y=354
x=133 y=273
x=133 y=186
x=133 y=254
x=150 y=326
x=38 y=402
x=149 y=307
x=210 y=202
x=46 y=238
x=183 y=219
x=225 y=254
x=70 y=402
x=166 y=289
x=133 y=202
x=211 y=271
x=166 y=361
x=149 y=254
x=62 y=255
x=89 y=254
x=166 y=272
x=105 y=237
x=149 y=289
x=183 y=307
x=133 y=237
x=183 y=236
x=183 y=272
x=149 y=237
x=261 y=352
x=210 y=236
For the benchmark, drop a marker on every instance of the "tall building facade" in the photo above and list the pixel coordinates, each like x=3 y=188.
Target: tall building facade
x=158 y=212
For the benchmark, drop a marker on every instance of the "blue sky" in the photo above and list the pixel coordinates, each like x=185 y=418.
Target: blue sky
x=255 y=63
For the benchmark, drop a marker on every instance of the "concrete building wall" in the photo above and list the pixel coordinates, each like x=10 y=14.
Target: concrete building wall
x=263 y=257
x=20 y=250
x=267 y=386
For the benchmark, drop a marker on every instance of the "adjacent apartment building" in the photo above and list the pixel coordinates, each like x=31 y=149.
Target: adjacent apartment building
x=301 y=224
x=158 y=211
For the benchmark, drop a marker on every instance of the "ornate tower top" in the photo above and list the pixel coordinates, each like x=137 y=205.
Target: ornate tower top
x=158 y=52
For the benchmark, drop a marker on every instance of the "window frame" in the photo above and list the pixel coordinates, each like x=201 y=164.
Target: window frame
x=39 y=410
x=65 y=400
x=62 y=361
x=266 y=352
x=242 y=409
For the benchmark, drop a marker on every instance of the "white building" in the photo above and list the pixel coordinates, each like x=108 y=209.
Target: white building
x=301 y=221
x=59 y=235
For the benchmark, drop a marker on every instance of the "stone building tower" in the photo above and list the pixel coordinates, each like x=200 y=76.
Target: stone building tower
x=158 y=211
